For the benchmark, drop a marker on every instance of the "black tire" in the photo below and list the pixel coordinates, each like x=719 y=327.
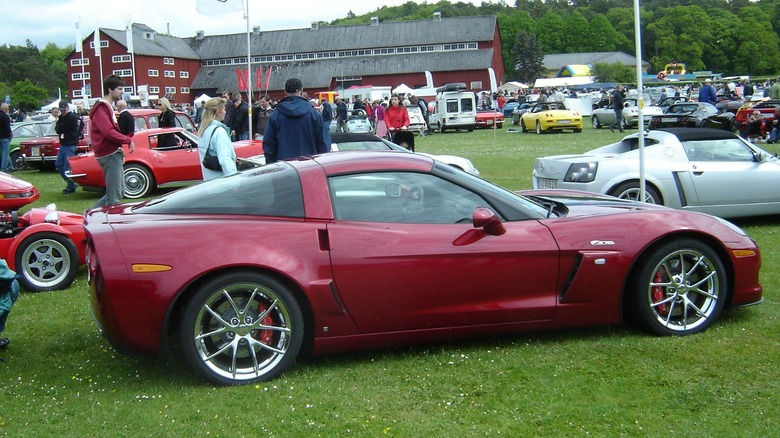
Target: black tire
x=515 y=120
x=577 y=130
x=681 y=289
x=630 y=191
x=539 y=128
x=138 y=181
x=596 y=122
x=46 y=261
x=441 y=128
x=522 y=126
x=219 y=328
x=17 y=160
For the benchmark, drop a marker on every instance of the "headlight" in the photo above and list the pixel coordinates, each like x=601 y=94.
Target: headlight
x=581 y=172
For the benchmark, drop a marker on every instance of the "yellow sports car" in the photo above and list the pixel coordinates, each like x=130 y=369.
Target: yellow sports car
x=550 y=116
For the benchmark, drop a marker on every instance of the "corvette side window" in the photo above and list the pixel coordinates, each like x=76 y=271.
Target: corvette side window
x=401 y=197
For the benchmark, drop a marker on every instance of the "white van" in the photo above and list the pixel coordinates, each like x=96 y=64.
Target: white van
x=454 y=108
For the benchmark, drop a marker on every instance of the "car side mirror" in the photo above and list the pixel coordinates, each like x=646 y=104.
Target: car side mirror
x=486 y=219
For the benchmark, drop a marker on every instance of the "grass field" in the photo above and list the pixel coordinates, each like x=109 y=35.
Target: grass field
x=61 y=378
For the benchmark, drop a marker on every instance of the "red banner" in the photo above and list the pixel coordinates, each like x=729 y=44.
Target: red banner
x=263 y=82
x=243 y=78
x=268 y=77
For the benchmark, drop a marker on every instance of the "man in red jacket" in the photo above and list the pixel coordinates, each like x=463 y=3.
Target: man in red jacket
x=107 y=141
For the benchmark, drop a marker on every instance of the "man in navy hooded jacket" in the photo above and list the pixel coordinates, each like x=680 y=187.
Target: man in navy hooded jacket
x=294 y=128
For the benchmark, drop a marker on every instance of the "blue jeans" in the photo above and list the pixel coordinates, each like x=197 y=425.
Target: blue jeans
x=243 y=136
x=114 y=176
x=62 y=165
x=618 y=123
x=5 y=155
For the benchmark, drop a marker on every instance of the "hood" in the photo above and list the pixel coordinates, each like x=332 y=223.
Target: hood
x=294 y=106
x=581 y=203
x=8 y=181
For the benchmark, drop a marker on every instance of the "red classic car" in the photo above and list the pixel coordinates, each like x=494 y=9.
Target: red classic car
x=15 y=193
x=150 y=166
x=42 y=152
x=358 y=250
x=765 y=107
x=489 y=118
x=45 y=247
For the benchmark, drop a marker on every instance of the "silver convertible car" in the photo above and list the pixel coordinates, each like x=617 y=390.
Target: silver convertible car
x=700 y=169
x=603 y=117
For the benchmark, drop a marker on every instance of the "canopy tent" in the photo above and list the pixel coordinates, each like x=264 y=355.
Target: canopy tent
x=202 y=98
x=562 y=82
x=513 y=85
x=56 y=104
x=594 y=86
x=402 y=89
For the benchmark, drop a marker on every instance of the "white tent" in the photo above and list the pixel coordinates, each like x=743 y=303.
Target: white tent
x=402 y=89
x=56 y=104
x=513 y=85
x=563 y=82
x=202 y=98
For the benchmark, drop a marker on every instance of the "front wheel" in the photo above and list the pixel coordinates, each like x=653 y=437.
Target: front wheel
x=241 y=328
x=17 y=160
x=47 y=261
x=596 y=122
x=680 y=290
x=630 y=191
x=539 y=128
x=138 y=181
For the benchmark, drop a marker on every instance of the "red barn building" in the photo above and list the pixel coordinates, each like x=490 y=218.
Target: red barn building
x=461 y=49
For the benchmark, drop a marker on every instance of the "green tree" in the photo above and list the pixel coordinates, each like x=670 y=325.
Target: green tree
x=602 y=37
x=509 y=25
x=604 y=72
x=720 y=56
x=550 y=33
x=577 y=33
x=26 y=95
x=622 y=20
x=764 y=55
x=527 y=57
x=676 y=39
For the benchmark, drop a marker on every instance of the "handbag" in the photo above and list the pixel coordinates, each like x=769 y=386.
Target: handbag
x=211 y=162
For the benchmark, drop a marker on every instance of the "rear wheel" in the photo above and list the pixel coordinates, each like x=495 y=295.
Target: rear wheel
x=522 y=126
x=596 y=122
x=441 y=128
x=17 y=160
x=680 y=290
x=539 y=128
x=47 y=261
x=139 y=182
x=241 y=328
x=630 y=191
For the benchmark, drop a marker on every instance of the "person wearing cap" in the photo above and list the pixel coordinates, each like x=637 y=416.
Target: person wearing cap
x=9 y=292
x=707 y=93
x=67 y=128
x=294 y=128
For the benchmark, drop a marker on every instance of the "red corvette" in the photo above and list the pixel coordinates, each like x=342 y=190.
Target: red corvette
x=15 y=193
x=150 y=166
x=357 y=250
x=489 y=118
x=45 y=247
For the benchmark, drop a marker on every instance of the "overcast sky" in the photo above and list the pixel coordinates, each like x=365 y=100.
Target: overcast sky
x=44 y=21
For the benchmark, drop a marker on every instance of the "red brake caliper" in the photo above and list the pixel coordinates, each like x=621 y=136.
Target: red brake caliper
x=265 y=336
x=659 y=295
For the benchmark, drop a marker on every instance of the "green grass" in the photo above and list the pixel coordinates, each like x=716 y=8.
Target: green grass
x=62 y=378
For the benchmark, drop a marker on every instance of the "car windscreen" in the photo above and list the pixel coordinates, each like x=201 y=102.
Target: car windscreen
x=272 y=190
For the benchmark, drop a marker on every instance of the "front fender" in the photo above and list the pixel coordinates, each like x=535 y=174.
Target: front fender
x=44 y=228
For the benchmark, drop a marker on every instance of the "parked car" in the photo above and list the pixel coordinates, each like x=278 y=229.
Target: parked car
x=44 y=246
x=416 y=119
x=692 y=115
x=666 y=102
x=27 y=130
x=765 y=107
x=707 y=170
x=550 y=116
x=362 y=141
x=150 y=167
x=346 y=251
x=15 y=193
x=509 y=106
x=42 y=152
x=602 y=117
x=146 y=118
x=489 y=118
x=357 y=122
x=729 y=103
x=518 y=112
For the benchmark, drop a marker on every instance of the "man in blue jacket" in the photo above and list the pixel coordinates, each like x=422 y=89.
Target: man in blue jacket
x=294 y=128
x=707 y=93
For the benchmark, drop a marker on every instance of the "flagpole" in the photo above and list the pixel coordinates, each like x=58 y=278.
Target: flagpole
x=98 y=54
x=129 y=37
x=80 y=48
x=248 y=73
